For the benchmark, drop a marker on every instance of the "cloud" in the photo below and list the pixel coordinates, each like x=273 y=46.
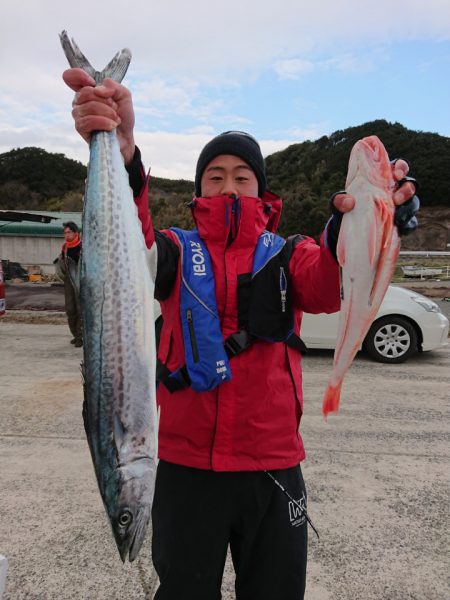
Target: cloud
x=233 y=36
x=293 y=68
x=311 y=132
x=158 y=97
x=174 y=155
x=362 y=62
x=348 y=62
x=270 y=146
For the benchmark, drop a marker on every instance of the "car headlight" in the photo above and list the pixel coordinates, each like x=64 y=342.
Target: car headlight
x=428 y=305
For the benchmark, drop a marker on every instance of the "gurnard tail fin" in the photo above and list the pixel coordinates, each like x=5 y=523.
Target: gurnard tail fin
x=115 y=69
x=331 y=399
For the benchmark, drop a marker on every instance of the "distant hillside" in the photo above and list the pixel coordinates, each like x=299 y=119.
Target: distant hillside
x=307 y=174
x=304 y=175
x=31 y=178
x=168 y=199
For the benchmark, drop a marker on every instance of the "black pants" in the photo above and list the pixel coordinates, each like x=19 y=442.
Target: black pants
x=197 y=514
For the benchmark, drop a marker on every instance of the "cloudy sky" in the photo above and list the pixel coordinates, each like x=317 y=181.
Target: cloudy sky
x=284 y=70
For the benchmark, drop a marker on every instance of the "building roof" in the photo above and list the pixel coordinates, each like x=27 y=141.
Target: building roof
x=52 y=229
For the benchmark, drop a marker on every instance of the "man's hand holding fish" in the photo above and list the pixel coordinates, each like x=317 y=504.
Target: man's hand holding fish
x=344 y=202
x=103 y=107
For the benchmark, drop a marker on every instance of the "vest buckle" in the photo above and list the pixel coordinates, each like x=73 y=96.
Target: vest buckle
x=237 y=343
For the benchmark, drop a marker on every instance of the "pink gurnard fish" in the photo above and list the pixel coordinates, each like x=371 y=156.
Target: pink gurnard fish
x=367 y=251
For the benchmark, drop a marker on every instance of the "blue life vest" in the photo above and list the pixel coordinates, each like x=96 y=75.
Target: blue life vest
x=207 y=362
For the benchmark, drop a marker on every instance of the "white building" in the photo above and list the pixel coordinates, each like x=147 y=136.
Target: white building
x=30 y=243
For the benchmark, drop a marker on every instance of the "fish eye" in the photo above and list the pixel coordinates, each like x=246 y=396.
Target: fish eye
x=125 y=518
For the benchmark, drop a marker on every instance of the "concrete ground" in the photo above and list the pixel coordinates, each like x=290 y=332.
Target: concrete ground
x=35 y=296
x=377 y=476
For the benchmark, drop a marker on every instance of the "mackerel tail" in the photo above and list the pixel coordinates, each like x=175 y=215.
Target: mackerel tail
x=117 y=274
x=115 y=69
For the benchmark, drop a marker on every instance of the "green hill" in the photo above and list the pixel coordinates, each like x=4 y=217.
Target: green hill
x=304 y=175
x=307 y=174
x=30 y=178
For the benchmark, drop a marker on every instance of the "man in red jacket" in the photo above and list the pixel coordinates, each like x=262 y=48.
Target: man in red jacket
x=229 y=471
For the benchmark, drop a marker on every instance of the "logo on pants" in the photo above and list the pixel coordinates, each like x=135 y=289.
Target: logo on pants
x=297 y=511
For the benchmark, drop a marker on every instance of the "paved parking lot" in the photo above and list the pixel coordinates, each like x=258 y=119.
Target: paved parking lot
x=377 y=476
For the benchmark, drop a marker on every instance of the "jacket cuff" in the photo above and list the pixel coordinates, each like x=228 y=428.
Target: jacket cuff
x=331 y=233
x=136 y=173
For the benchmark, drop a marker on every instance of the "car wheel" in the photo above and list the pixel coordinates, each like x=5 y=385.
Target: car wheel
x=391 y=340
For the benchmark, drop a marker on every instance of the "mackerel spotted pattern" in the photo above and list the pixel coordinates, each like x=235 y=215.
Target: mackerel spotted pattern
x=116 y=296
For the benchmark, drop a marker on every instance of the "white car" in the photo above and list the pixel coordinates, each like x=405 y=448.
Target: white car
x=405 y=324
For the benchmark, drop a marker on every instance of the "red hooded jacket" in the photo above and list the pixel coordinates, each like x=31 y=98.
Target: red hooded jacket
x=251 y=422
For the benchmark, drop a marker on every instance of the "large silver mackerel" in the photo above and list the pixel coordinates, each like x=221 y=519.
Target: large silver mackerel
x=116 y=296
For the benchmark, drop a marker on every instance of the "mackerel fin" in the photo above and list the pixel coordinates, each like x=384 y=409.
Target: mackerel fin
x=152 y=260
x=119 y=432
x=117 y=66
x=115 y=69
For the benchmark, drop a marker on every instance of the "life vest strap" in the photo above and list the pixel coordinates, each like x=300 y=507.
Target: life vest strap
x=174 y=381
x=234 y=345
x=296 y=342
x=238 y=342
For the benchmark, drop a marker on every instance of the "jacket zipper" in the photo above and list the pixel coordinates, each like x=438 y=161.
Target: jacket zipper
x=190 y=322
x=234 y=216
x=283 y=289
x=233 y=221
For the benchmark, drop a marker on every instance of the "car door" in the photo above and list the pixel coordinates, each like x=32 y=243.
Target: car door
x=320 y=331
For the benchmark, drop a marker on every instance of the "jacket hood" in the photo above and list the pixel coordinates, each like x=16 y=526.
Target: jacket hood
x=229 y=218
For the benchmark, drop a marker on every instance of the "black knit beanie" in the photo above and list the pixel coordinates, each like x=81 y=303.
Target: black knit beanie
x=236 y=143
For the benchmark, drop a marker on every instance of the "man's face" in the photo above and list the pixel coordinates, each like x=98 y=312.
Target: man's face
x=228 y=174
x=69 y=235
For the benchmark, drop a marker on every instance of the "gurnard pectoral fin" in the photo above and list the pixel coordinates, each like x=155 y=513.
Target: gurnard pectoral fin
x=331 y=399
x=388 y=242
x=340 y=250
x=373 y=244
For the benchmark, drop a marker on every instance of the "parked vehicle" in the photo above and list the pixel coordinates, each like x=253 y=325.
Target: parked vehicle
x=13 y=270
x=406 y=323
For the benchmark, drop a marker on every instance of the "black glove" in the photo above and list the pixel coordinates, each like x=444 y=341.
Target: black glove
x=334 y=224
x=405 y=215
